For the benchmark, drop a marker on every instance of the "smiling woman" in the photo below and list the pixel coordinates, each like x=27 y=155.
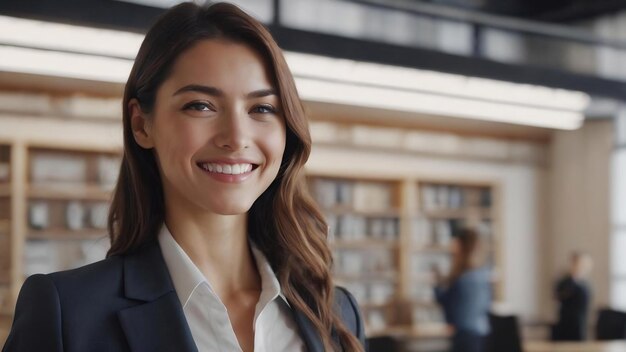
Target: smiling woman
x=215 y=114
x=215 y=244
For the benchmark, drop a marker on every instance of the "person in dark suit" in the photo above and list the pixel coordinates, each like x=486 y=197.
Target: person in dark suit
x=215 y=244
x=573 y=294
x=465 y=294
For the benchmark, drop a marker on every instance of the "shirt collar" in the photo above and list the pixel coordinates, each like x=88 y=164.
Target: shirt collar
x=184 y=273
x=186 y=276
x=270 y=287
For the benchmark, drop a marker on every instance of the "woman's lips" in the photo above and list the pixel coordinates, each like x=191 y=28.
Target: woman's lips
x=228 y=172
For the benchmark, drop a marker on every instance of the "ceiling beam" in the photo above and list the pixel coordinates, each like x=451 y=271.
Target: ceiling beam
x=138 y=18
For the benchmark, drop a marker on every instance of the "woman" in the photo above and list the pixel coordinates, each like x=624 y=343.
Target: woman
x=466 y=294
x=215 y=244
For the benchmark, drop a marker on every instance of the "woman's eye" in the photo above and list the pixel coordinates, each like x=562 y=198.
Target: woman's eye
x=198 y=106
x=264 y=109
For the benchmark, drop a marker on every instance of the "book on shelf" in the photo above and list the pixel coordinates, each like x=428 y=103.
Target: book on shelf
x=372 y=196
x=57 y=168
x=59 y=171
x=453 y=197
x=372 y=293
x=108 y=171
x=360 y=196
x=363 y=262
x=72 y=215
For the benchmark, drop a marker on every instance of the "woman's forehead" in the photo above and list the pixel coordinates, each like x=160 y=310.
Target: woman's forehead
x=220 y=62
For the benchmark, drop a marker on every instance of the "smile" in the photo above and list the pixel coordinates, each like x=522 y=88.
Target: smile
x=227 y=169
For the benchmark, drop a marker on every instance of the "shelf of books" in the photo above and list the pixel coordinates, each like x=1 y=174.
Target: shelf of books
x=387 y=235
x=364 y=221
x=442 y=208
x=68 y=194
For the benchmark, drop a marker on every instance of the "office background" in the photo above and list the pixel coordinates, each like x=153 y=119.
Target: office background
x=426 y=116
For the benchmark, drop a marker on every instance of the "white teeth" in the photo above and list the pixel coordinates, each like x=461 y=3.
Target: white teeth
x=228 y=169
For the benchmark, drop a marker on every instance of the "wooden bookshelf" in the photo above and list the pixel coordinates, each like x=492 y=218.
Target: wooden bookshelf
x=369 y=276
x=481 y=212
x=376 y=228
x=442 y=208
x=431 y=249
x=365 y=217
x=348 y=210
x=67 y=235
x=365 y=244
x=69 y=191
x=53 y=179
x=422 y=216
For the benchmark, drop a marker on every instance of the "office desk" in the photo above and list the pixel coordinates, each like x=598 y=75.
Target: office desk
x=588 y=346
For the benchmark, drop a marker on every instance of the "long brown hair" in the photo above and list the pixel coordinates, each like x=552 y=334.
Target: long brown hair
x=284 y=222
x=469 y=255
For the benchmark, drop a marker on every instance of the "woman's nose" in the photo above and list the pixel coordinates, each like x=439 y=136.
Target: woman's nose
x=233 y=131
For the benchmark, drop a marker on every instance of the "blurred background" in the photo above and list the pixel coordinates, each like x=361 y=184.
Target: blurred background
x=427 y=117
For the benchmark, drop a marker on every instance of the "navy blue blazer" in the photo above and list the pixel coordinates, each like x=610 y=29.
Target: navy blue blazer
x=123 y=303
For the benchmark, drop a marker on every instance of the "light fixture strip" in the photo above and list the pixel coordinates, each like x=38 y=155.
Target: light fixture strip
x=61 y=50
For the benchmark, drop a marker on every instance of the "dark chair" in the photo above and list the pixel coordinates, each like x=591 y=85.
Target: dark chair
x=611 y=325
x=382 y=344
x=504 y=336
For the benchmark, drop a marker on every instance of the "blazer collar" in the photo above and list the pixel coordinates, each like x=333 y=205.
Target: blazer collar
x=146 y=277
x=159 y=323
x=311 y=338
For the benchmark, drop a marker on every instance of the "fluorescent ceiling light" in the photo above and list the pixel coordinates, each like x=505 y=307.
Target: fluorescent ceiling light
x=395 y=77
x=164 y=4
x=63 y=37
x=60 y=64
x=44 y=48
x=436 y=104
x=351 y=82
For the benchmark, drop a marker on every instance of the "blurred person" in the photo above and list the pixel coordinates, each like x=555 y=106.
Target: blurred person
x=215 y=243
x=573 y=293
x=465 y=294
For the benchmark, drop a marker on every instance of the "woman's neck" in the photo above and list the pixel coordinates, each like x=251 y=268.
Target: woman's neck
x=218 y=246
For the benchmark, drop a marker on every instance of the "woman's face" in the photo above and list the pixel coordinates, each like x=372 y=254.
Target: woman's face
x=217 y=129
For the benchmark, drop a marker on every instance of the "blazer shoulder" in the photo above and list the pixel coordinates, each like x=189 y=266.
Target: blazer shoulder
x=89 y=281
x=37 y=321
x=350 y=313
x=94 y=273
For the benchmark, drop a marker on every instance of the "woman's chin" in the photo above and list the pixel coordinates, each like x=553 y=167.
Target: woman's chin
x=232 y=209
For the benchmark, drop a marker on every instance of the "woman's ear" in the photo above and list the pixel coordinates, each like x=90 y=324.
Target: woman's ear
x=140 y=125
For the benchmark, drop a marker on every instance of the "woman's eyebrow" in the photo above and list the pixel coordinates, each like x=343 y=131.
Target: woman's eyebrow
x=261 y=93
x=213 y=91
x=200 y=89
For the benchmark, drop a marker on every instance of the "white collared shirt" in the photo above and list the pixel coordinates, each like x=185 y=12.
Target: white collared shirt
x=207 y=317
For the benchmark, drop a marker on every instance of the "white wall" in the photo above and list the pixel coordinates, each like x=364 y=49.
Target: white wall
x=579 y=205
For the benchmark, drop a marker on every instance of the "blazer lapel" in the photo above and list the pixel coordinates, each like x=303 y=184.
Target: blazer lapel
x=309 y=334
x=159 y=324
